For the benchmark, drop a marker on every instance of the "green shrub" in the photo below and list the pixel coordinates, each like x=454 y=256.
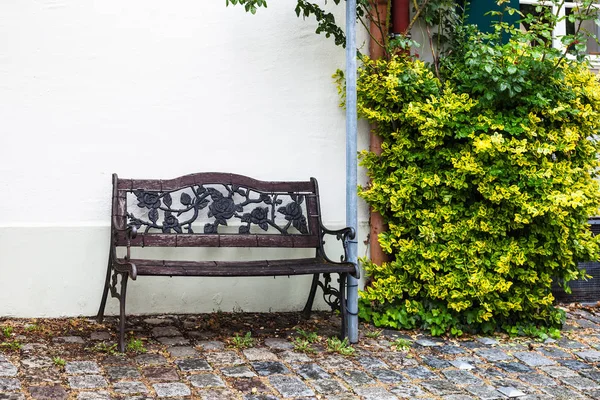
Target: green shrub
x=486 y=180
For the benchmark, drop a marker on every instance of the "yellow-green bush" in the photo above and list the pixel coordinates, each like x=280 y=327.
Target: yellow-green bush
x=486 y=179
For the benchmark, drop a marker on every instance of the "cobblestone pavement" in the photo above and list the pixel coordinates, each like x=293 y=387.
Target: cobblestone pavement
x=188 y=357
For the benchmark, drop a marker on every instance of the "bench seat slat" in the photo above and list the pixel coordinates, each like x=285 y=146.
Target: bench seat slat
x=239 y=268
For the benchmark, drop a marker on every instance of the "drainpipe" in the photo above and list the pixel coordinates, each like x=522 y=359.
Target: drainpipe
x=351 y=166
x=400 y=19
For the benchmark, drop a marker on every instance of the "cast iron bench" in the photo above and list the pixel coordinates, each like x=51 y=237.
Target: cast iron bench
x=167 y=213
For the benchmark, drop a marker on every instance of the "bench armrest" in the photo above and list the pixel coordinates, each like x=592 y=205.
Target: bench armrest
x=345 y=235
x=125 y=265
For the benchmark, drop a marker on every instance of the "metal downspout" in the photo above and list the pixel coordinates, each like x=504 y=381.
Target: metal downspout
x=351 y=165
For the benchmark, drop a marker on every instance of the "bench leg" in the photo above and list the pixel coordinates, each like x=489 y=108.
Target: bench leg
x=122 y=297
x=311 y=297
x=343 y=307
x=100 y=316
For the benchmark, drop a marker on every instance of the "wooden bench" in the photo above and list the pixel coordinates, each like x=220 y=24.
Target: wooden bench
x=221 y=210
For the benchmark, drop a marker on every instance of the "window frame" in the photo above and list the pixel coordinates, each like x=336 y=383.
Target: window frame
x=561 y=27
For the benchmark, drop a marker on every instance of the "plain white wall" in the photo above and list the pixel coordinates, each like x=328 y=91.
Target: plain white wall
x=152 y=89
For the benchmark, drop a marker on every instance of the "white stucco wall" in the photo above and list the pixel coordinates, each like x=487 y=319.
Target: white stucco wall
x=152 y=89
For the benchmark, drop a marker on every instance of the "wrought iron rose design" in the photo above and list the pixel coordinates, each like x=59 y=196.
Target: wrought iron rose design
x=222 y=209
x=170 y=222
x=167 y=214
x=149 y=200
x=293 y=213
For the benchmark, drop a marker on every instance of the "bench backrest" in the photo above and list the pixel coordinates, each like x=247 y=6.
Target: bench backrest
x=194 y=210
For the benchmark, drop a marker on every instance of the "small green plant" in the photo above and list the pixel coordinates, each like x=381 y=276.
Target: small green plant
x=31 y=328
x=58 y=361
x=303 y=346
x=7 y=331
x=104 y=348
x=373 y=334
x=401 y=344
x=242 y=342
x=13 y=345
x=136 y=345
x=342 y=347
x=310 y=337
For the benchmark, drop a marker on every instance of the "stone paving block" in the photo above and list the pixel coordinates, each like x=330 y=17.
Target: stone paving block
x=193 y=364
x=570 y=344
x=259 y=354
x=387 y=376
x=173 y=340
x=370 y=362
x=260 y=397
x=493 y=355
x=158 y=321
x=561 y=393
x=36 y=362
x=534 y=359
x=12 y=396
x=335 y=362
x=100 y=336
x=458 y=397
x=82 y=367
x=250 y=385
x=593 y=374
x=206 y=380
x=68 y=340
x=419 y=373
x=150 y=359
x=407 y=391
x=449 y=349
x=435 y=362
x=555 y=352
x=575 y=365
x=279 y=344
x=55 y=392
x=428 y=343
x=310 y=371
x=9 y=384
x=374 y=393
x=101 y=395
x=122 y=372
x=510 y=392
x=462 y=377
x=490 y=373
x=536 y=379
x=580 y=383
x=462 y=365
x=87 y=381
x=222 y=358
x=328 y=386
x=265 y=368
x=211 y=345
x=161 y=374
x=183 y=351
x=217 y=394
x=484 y=392
x=559 y=372
x=440 y=387
x=590 y=355
x=355 y=377
x=130 y=387
x=7 y=369
x=487 y=341
x=161 y=331
x=174 y=389
x=514 y=367
x=290 y=386
x=239 y=371
x=398 y=360
x=293 y=357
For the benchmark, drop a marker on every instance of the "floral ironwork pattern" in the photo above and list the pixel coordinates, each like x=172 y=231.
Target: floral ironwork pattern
x=233 y=202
